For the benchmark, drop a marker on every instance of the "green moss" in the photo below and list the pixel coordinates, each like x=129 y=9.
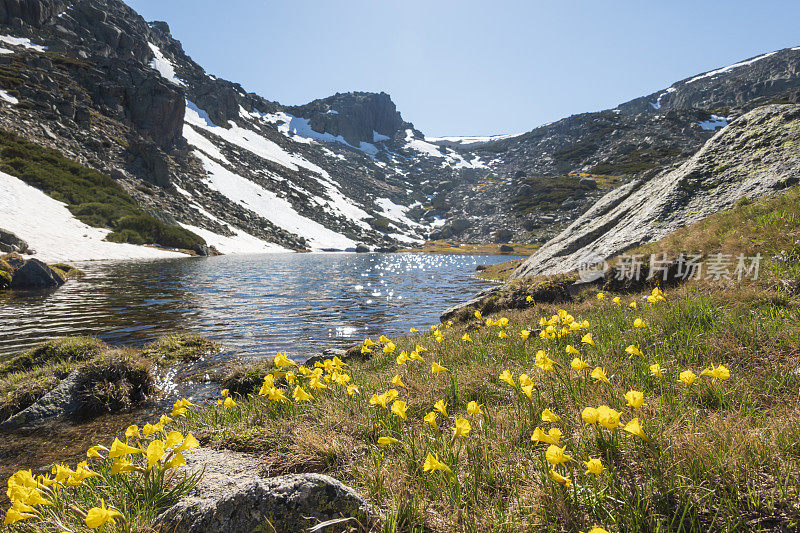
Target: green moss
x=67 y=271
x=548 y=193
x=66 y=349
x=380 y=224
x=244 y=378
x=114 y=381
x=92 y=197
x=637 y=160
x=5 y=279
x=179 y=347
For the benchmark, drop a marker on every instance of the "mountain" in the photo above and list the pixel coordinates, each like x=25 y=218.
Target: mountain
x=92 y=80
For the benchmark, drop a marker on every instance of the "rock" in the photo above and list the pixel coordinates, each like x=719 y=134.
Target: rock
x=328 y=353
x=506 y=249
x=755 y=155
x=201 y=250
x=503 y=235
x=362 y=248
x=33 y=12
x=232 y=497
x=524 y=190
x=588 y=182
x=10 y=243
x=34 y=274
x=64 y=400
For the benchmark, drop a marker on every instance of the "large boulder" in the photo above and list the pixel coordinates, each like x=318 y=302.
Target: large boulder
x=231 y=497
x=34 y=274
x=10 y=243
x=64 y=400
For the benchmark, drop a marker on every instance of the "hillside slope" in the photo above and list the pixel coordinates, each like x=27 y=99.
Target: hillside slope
x=758 y=153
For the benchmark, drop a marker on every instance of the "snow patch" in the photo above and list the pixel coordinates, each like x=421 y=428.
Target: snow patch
x=730 y=67
x=451 y=158
x=469 y=140
x=50 y=229
x=657 y=103
x=203 y=144
x=713 y=123
x=22 y=41
x=8 y=98
x=164 y=66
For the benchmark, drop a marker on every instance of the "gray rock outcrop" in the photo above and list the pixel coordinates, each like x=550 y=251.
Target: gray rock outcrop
x=9 y=242
x=755 y=155
x=64 y=400
x=232 y=498
x=34 y=274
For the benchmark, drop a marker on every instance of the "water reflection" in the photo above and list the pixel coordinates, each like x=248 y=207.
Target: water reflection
x=256 y=304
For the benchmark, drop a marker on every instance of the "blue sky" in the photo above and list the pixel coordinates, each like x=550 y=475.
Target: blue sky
x=470 y=67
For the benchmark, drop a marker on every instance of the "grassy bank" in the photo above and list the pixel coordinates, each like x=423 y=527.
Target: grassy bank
x=448 y=247
x=92 y=197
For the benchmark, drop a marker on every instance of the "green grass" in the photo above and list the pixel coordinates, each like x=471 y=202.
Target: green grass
x=637 y=160
x=91 y=196
x=548 y=193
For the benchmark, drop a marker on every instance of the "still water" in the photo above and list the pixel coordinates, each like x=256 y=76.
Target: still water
x=256 y=305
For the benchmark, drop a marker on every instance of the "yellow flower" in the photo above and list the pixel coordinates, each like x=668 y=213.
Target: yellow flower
x=389 y=348
x=282 y=361
x=94 y=451
x=503 y=335
x=97 y=516
x=600 y=296
x=525 y=380
x=120 y=449
x=430 y=418
x=352 y=390
x=384 y=339
x=525 y=334
x=594 y=466
x=478 y=315
x=121 y=466
x=132 y=431
x=635 y=428
x=188 y=443
x=300 y=395
x=154 y=453
x=639 y=323
x=556 y=455
x=551 y=437
x=578 y=364
x=413 y=330
x=597 y=529
x=687 y=377
x=277 y=395
x=368 y=342
x=508 y=378
x=527 y=390
x=655 y=369
x=719 y=372
x=572 y=351
x=474 y=408
x=13 y=515
x=529 y=299
x=399 y=409
x=225 y=393
x=173 y=439
x=599 y=373
x=550 y=416
x=633 y=305
x=503 y=322
x=229 y=402
x=291 y=377
x=590 y=415
x=616 y=300
x=365 y=350
x=388 y=441
x=397 y=382
x=635 y=398
x=587 y=339
x=544 y=362
x=633 y=350
x=415 y=354
x=441 y=406
x=466 y=338
x=558 y=478
x=402 y=358
x=608 y=417
x=433 y=463
x=177 y=460
x=436 y=367
x=462 y=427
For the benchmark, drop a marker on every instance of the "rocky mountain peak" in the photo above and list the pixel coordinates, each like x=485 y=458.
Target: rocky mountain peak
x=356 y=116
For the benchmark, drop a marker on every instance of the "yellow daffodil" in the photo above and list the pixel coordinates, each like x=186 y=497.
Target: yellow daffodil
x=550 y=416
x=441 y=406
x=507 y=377
x=120 y=449
x=176 y=461
x=300 y=395
x=397 y=382
x=352 y=390
x=121 y=466
x=558 y=478
x=599 y=373
x=173 y=438
x=529 y=299
x=597 y=529
x=430 y=418
x=556 y=455
x=402 y=358
x=368 y=342
x=389 y=347
x=399 y=409
x=578 y=364
x=415 y=354
x=132 y=432
x=225 y=392
x=436 y=367
x=571 y=350
x=635 y=428
x=462 y=427
x=594 y=466
x=388 y=441
x=365 y=350
x=525 y=379
x=632 y=305
x=601 y=296
x=154 y=453
x=384 y=339
x=525 y=334
x=544 y=362
x=503 y=322
x=466 y=338
x=478 y=315
x=587 y=339
x=432 y=463
x=639 y=323
x=282 y=361
x=527 y=390
x=13 y=515
x=608 y=417
x=291 y=377
x=229 y=402
x=474 y=409
x=616 y=300
x=634 y=398
x=551 y=437
x=687 y=377
x=503 y=335
x=634 y=350
x=188 y=443
x=98 y=516
x=94 y=451
x=655 y=370
x=719 y=372
x=413 y=330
